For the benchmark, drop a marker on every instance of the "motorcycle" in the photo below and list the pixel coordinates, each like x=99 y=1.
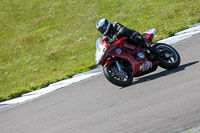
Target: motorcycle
x=123 y=61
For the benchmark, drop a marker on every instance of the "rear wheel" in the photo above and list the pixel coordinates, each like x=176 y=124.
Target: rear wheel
x=120 y=78
x=169 y=57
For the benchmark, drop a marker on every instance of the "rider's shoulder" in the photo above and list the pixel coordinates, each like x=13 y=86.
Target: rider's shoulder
x=116 y=23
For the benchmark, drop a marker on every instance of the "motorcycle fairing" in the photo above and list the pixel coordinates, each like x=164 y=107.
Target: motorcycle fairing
x=127 y=53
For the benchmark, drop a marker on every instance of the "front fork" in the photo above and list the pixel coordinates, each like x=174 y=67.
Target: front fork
x=118 y=66
x=116 y=62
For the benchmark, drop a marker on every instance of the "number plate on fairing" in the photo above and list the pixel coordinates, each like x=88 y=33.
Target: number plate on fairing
x=146 y=66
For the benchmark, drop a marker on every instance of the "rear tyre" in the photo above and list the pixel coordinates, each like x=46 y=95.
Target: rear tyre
x=123 y=78
x=169 y=57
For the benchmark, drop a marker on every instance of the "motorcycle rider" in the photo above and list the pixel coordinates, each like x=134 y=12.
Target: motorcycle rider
x=115 y=31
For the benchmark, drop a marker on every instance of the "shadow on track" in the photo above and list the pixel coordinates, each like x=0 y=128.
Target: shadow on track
x=163 y=73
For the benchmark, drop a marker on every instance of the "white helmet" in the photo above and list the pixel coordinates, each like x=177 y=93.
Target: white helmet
x=103 y=26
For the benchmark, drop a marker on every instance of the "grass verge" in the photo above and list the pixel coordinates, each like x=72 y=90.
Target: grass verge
x=44 y=41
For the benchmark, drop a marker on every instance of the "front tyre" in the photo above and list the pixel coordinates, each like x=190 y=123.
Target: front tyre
x=169 y=57
x=123 y=78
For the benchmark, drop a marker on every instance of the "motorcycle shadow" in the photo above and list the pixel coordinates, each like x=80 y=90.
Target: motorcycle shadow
x=163 y=73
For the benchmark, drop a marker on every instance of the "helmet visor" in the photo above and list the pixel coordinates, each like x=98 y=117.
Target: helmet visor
x=103 y=27
x=102 y=30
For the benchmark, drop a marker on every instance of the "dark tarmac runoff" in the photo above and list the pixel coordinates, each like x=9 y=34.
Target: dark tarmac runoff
x=165 y=101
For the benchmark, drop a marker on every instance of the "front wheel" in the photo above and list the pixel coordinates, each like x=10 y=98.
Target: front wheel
x=169 y=57
x=120 y=78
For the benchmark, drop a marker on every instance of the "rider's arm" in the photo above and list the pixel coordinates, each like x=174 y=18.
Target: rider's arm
x=122 y=30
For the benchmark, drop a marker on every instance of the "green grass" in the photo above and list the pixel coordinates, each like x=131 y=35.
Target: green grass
x=44 y=41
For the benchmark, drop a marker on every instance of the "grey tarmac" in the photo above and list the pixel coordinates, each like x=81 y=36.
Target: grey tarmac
x=165 y=101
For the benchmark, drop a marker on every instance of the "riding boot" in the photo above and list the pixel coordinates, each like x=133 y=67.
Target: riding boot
x=154 y=50
x=138 y=38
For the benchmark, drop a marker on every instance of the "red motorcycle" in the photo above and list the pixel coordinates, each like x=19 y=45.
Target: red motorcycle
x=122 y=61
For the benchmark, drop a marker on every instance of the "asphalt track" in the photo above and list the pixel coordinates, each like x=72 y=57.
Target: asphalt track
x=165 y=101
